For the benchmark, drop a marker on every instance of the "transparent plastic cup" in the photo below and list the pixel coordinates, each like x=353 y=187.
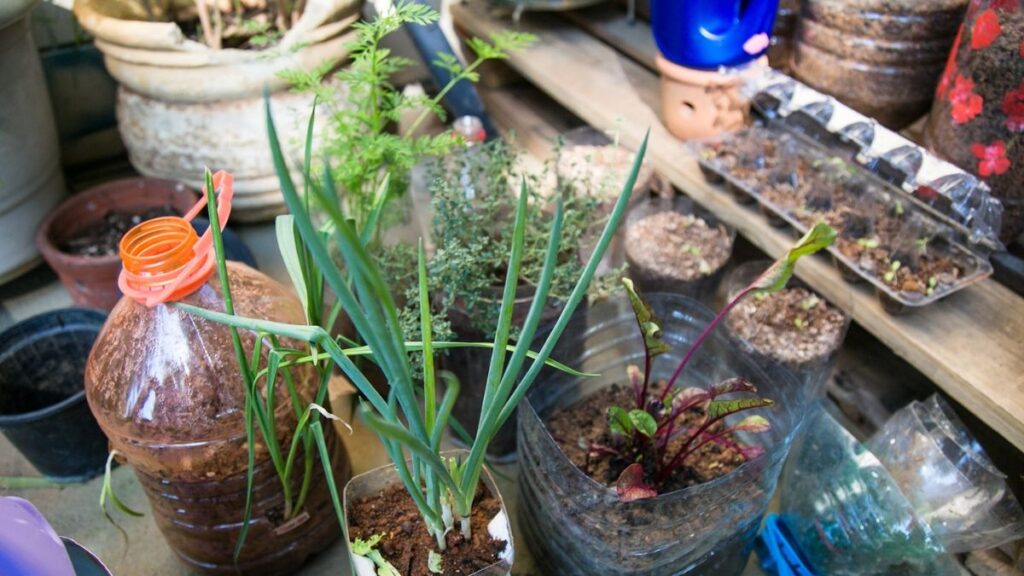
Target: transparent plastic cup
x=948 y=478
x=575 y=525
x=664 y=272
x=809 y=351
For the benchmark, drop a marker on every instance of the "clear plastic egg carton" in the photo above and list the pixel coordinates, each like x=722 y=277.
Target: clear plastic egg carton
x=916 y=228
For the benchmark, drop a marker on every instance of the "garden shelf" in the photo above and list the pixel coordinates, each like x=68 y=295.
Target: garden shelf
x=969 y=345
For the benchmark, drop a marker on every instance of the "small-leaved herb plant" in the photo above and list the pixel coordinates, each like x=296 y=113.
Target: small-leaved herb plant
x=363 y=106
x=442 y=488
x=654 y=434
x=474 y=202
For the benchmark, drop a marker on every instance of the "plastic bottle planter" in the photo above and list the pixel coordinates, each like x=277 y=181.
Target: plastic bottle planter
x=978 y=114
x=373 y=483
x=574 y=525
x=42 y=396
x=92 y=280
x=848 y=514
x=794 y=327
x=881 y=57
x=671 y=245
x=948 y=478
x=709 y=35
x=166 y=389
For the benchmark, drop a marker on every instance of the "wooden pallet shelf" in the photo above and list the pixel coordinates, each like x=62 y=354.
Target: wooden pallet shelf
x=970 y=345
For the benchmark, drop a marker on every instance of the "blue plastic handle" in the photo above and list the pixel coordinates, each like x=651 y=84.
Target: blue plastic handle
x=706 y=34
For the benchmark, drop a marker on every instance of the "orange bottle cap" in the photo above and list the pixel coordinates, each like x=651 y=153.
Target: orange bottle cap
x=164 y=259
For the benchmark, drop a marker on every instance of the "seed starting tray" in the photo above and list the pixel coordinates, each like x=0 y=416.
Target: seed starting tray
x=908 y=253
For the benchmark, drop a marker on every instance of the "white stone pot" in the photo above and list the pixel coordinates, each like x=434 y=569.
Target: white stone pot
x=31 y=182
x=183 y=106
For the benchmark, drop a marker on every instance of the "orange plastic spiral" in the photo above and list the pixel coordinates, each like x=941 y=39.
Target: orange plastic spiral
x=164 y=259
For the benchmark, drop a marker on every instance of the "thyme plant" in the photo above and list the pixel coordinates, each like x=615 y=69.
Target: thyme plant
x=474 y=207
x=654 y=435
x=364 y=106
x=411 y=433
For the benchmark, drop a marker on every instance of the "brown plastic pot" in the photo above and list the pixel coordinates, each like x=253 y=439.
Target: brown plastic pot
x=92 y=280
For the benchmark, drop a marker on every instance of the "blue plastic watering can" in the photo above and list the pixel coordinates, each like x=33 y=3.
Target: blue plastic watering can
x=706 y=34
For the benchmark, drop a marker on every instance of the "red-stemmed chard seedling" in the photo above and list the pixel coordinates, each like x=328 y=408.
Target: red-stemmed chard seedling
x=649 y=434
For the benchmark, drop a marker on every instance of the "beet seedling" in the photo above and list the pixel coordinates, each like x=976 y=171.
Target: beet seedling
x=654 y=434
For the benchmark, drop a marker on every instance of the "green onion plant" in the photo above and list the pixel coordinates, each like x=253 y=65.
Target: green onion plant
x=334 y=257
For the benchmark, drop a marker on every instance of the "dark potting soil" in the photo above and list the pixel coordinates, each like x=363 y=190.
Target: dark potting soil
x=36 y=390
x=577 y=427
x=406 y=542
x=103 y=237
x=794 y=326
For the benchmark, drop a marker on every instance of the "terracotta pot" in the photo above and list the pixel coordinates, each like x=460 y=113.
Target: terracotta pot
x=92 y=280
x=700 y=103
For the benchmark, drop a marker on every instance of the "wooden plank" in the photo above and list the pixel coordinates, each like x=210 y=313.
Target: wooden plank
x=610 y=23
x=971 y=345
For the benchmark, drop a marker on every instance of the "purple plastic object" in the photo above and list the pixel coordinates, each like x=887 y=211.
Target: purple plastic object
x=28 y=545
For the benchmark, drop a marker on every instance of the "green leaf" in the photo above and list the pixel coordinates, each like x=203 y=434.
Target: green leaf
x=775 y=277
x=754 y=423
x=107 y=491
x=288 y=246
x=643 y=422
x=364 y=547
x=650 y=326
x=619 y=422
x=434 y=562
x=718 y=409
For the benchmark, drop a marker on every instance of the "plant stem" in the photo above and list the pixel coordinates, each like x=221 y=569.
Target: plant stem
x=440 y=96
x=703 y=336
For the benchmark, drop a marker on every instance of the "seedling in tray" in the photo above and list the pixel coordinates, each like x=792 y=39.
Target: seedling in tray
x=659 y=433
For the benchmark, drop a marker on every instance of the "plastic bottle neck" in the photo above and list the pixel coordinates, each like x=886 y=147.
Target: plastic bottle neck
x=164 y=259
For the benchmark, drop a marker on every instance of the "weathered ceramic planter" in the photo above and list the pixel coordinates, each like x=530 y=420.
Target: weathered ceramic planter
x=182 y=106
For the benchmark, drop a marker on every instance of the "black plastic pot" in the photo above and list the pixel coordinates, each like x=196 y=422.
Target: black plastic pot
x=42 y=393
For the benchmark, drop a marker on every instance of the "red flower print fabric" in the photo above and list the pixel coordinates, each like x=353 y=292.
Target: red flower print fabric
x=992 y=159
x=986 y=29
x=1013 y=107
x=965 y=103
